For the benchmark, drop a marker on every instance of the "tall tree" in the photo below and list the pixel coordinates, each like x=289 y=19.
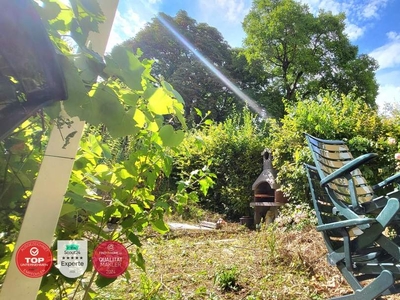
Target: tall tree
x=302 y=53
x=175 y=63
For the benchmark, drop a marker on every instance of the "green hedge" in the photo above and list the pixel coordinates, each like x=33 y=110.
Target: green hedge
x=232 y=150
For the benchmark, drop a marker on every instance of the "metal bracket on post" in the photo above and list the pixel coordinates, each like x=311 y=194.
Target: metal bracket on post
x=41 y=217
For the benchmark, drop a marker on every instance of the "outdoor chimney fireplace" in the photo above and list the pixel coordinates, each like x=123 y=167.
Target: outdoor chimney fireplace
x=267 y=196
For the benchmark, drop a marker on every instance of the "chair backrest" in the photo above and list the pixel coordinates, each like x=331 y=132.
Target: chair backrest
x=324 y=209
x=330 y=155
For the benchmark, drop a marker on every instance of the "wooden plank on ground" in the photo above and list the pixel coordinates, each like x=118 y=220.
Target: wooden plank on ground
x=253 y=204
x=208 y=224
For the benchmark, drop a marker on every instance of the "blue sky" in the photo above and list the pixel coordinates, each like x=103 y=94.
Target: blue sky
x=372 y=25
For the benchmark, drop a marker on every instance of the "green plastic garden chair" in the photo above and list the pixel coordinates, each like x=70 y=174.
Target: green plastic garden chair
x=353 y=220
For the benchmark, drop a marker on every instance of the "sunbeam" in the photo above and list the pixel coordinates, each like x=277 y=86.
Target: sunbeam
x=229 y=84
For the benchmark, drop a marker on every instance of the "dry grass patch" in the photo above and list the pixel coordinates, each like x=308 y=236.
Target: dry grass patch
x=269 y=264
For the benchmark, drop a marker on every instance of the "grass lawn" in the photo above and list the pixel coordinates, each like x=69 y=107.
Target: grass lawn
x=232 y=263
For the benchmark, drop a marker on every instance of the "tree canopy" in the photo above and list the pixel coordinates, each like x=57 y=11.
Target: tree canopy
x=303 y=53
x=178 y=65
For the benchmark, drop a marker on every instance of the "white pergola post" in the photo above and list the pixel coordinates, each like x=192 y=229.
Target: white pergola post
x=43 y=211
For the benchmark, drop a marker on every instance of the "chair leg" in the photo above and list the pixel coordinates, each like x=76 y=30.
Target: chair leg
x=373 y=290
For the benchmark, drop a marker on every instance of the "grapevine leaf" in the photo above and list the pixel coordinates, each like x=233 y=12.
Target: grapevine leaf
x=67 y=208
x=169 y=88
x=104 y=107
x=77 y=92
x=133 y=238
x=104 y=281
x=205 y=184
x=159 y=225
x=167 y=165
x=139 y=118
x=53 y=110
x=139 y=260
x=170 y=137
x=130 y=98
x=160 y=102
x=125 y=65
x=102 y=168
x=106 y=150
x=93 y=206
x=179 y=114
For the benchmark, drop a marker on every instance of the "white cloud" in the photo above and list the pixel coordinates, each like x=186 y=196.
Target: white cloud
x=353 y=31
x=125 y=26
x=371 y=9
x=389 y=88
x=394 y=36
x=356 y=11
x=232 y=11
x=388 y=55
x=330 y=5
x=334 y=6
x=368 y=9
x=388 y=94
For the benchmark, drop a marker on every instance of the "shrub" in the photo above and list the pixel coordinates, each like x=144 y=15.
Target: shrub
x=232 y=150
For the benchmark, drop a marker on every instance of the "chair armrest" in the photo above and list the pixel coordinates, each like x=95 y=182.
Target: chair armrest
x=388 y=212
x=346 y=223
x=392 y=179
x=346 y=169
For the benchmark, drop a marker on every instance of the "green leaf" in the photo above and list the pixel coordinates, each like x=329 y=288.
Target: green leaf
x=105 y=107
x=67 y=208
x=93 y=206
x=106 y=150
x=160 y=226
x=170 y=137
x=102 y=168
x=160 y=102
x=104 y=281
x=130 y=99
x=167 y=165
x=123 y=173
x=169 y=88
x=127 y=276
x=133 y=237
x=198 y=112
x=205 y=184
x=92 y=178
x=139 y=118
x=139 y=260
x=77 y=92
x=53 y=110
x=124 y=125
x=63 y=20
x=76 y=191
x=126 y=65
x=179 y=112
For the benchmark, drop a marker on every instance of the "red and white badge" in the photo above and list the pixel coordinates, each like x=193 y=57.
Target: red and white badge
x=34 y=259
x=110 y=259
